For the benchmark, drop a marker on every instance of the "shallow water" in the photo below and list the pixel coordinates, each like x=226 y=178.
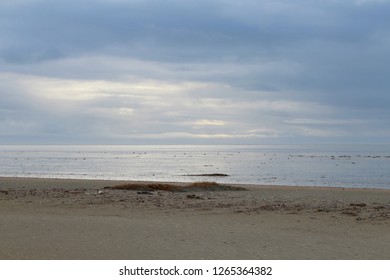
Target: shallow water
x=366 y=166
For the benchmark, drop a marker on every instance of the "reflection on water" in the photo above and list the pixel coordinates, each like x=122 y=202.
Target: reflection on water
x=318 y=165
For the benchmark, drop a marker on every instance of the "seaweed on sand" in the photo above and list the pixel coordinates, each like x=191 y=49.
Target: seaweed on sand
x=197 y=186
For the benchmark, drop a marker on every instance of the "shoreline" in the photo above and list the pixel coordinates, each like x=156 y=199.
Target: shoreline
x=81 y=219
x=100 y=182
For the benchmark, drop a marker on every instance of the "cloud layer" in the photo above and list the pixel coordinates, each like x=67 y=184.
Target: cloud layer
x=194 y=71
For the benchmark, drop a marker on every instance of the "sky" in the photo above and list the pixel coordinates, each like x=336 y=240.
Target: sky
x=194 y=71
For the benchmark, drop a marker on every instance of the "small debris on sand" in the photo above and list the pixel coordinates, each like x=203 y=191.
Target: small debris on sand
x=193 y=196
x=358 y=204
x=145 y=192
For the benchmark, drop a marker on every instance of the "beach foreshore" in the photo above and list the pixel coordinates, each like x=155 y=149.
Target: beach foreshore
x=88 y=219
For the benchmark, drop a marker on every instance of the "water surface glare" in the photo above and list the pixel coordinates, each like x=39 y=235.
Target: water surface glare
x=365 y=166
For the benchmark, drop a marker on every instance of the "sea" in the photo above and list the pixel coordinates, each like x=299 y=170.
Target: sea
x=346 y=166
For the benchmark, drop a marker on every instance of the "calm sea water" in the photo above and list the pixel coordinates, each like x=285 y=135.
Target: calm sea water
x=366 y=166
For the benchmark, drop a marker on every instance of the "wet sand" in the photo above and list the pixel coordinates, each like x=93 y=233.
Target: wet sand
x=83 y=219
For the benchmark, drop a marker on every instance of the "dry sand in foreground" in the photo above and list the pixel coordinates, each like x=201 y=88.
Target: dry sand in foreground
x=80 y=219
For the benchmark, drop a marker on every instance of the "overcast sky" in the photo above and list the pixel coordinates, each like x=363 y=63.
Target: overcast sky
x=197 y=71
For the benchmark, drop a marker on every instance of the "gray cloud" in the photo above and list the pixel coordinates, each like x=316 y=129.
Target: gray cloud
x=187 y=30
x=123 y=70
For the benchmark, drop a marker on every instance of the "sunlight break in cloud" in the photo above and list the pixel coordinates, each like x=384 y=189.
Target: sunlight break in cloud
x=209 y=123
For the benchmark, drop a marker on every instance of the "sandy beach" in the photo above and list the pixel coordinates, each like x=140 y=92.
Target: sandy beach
x=88 y=219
